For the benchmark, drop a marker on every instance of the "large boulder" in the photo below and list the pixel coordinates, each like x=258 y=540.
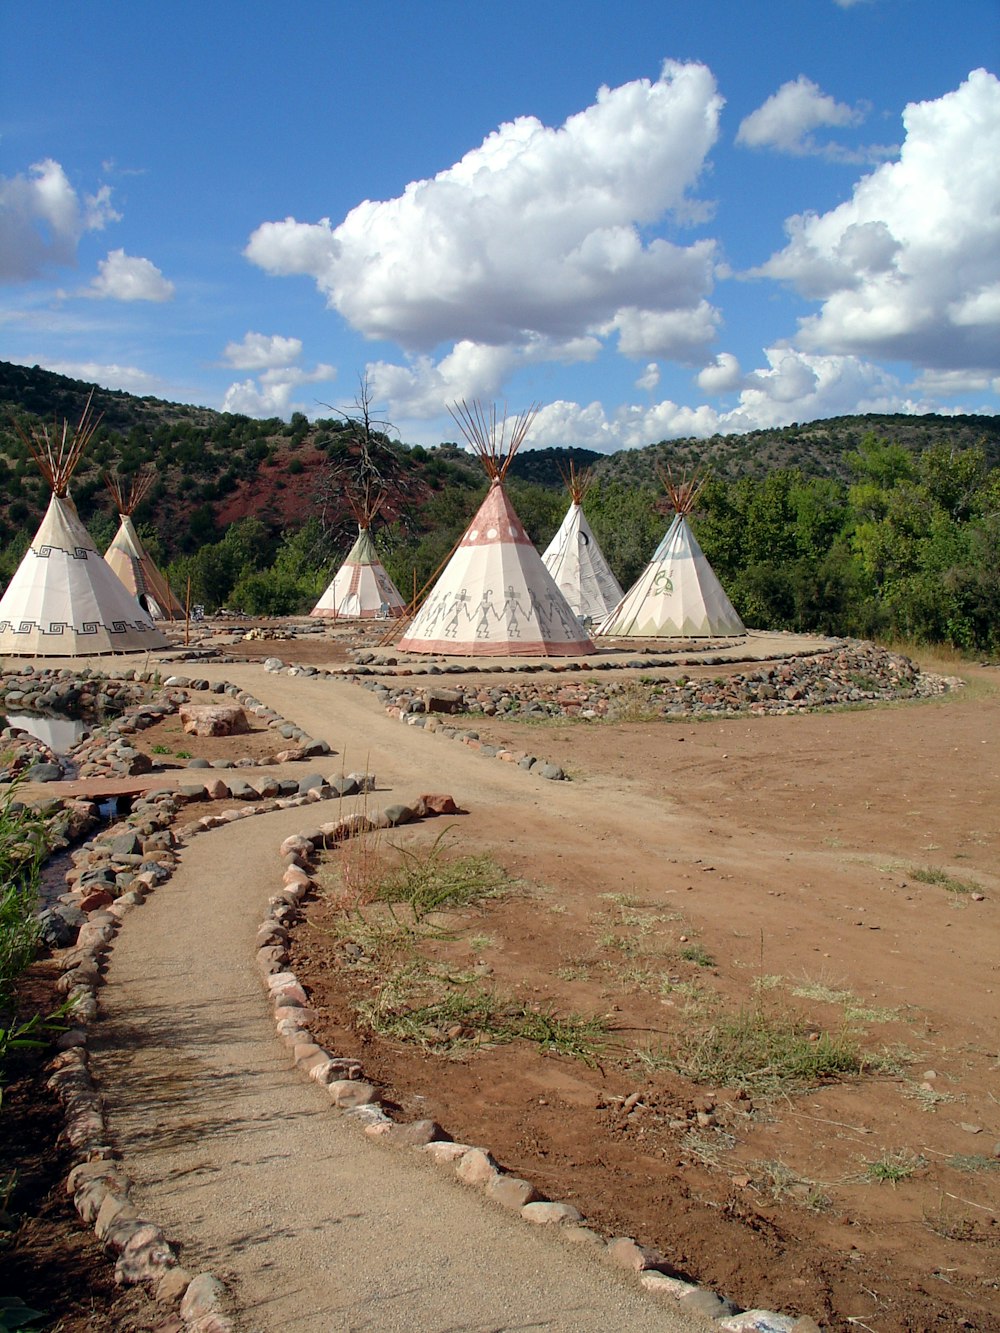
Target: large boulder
x=214 y=720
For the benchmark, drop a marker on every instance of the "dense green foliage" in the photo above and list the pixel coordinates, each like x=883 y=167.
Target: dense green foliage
x=910 y=548
x=875 y=525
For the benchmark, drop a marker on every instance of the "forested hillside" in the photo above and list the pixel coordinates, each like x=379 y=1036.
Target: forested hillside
x=870 y=525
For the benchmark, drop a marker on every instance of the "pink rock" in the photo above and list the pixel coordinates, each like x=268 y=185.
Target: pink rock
x=624 y=1252
x=213 y=720
x=117 y=1221
x=582 y=1236
x=204 y=1296
x=445 y=1153
x=548 y=1214
x=87 y=1199
x=659 y=1284
x=414 y=1133
x=99 y=898
x=298 y=1013
x=145 y=1255
x=309 y=1060
x=281 y=979
x=333 y=1070
x=476 y=1167
x=440 y=803
x=346 y=1093
x=511 y=1192
x=296 y=843
x=171 y=1286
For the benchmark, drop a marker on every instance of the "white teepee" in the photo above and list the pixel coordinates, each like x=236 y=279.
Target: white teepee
x=129 y=558
x=63 y=600
x=677 y=595
x=494 y=597
x=575 y=560
x=361 y=587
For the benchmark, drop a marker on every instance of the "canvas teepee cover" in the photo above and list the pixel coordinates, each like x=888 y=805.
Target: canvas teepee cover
x=129 y=558
x=575 y=560
x=63 y=600
x=361 y=587
x=677 y=595
x=495 y=598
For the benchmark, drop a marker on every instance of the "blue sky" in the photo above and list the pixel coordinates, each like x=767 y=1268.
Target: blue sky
x=655 y=219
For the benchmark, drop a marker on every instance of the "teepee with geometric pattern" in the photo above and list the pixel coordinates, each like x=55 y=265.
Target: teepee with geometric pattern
x=64 y=600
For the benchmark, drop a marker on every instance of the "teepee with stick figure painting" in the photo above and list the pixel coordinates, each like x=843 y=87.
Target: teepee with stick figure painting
x=495 y=598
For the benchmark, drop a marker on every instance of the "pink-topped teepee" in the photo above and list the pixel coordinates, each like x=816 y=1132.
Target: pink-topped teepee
x=495 y=598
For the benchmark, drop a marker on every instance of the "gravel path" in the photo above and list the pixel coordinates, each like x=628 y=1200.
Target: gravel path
x=241 y=1160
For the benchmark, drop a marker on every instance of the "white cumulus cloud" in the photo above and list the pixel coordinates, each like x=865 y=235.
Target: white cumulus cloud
x=123 y=277
x=649 y=378
x=271 y=394
x=909 y=267
x=722 y=376
x=787 y=120
x=42 y=219
x=262 y=351
x=533 y=241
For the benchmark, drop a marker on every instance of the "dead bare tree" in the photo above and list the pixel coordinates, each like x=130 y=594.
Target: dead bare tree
x=371 y=475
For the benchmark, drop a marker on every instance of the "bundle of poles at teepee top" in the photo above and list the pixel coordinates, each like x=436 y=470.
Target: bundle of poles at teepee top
x=64 y=600
x=129 y=558
x=494 y=597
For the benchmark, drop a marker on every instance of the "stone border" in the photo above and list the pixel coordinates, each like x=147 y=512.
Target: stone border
x=349 y=1091
x=98 y=1182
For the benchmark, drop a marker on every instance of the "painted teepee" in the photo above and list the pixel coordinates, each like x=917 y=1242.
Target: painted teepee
x=576 y=561
x=63 y=600
x=361 y=588
x=677 y=595
x=494 y=597
x=129 y=558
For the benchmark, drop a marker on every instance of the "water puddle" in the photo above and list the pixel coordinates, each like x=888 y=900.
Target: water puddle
x=59 y=733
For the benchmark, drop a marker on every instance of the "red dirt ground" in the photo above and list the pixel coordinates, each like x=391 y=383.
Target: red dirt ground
x=779 y=873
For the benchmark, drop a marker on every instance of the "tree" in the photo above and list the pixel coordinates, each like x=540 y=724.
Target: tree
x=361 y=479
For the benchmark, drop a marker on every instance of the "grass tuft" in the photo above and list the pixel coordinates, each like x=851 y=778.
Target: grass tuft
x=471 y=1016
x=768 y=1052
x=695 y=953
x=891 y=1168
x=941 y=878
